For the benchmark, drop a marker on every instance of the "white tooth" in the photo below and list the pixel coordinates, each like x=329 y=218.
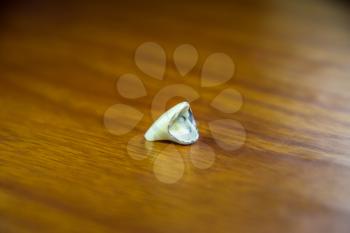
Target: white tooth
x=176 y=125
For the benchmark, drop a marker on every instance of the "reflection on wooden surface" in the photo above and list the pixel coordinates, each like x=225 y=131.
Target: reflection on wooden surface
x=61 y=170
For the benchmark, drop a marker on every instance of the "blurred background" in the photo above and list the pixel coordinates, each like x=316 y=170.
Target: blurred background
x=62 y=171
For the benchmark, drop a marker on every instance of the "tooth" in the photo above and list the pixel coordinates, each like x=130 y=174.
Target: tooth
x=176 y=125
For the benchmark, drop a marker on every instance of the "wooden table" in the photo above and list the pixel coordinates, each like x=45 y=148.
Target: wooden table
x=61 y=170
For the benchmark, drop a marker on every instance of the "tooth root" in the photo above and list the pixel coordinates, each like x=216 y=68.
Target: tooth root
x=176 y=125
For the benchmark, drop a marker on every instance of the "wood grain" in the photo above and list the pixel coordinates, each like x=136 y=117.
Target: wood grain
x=62 y=171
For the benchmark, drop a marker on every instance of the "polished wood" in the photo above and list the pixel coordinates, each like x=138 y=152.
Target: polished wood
x=62 y=171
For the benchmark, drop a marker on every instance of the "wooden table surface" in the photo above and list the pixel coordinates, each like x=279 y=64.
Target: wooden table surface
x=61 y=170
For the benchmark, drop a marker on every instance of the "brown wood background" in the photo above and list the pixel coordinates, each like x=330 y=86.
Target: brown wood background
x=61 y=171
